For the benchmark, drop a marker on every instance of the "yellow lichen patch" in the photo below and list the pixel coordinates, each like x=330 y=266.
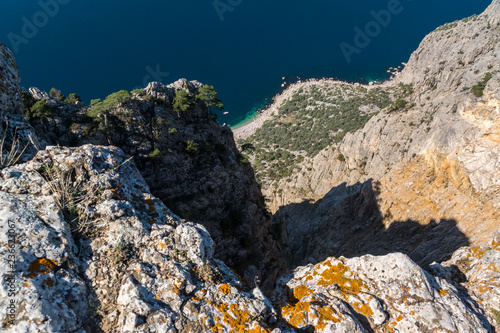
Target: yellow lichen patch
x=296 y=315
x=364 y=309
x=151 y=205
x=42 y=265
x=390 y=326
x=327 y=314
x=116 y=194
x=162 y=245
x=341 y=275
x=302 y=314
x=484 y=289
x=256 y=328
x=399 y=318
x=443 y=292
x=495 y=243
x=239 y=321
x=223 y=307
x=301 y=291
x=492 y=268
x=478 y=252
x=225 y=289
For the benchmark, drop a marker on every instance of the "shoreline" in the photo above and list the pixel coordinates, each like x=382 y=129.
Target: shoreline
x=246 y=129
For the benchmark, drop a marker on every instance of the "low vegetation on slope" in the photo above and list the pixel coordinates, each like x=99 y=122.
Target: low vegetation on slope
x=314 y=118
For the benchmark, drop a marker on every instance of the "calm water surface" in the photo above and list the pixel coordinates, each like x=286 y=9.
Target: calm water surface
x=96 y=47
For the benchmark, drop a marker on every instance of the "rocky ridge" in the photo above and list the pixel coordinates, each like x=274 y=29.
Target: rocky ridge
x=10 y=96
x=127 y=265
x=206 y=182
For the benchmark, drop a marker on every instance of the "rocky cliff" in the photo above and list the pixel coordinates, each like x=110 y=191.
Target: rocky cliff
x=10 y=94
x=423 y=166
x=94 y=251
x=190 y=162
x=117 y=260
x=399 y=232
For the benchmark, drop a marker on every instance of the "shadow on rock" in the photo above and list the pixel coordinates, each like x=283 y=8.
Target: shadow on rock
x=347 y=222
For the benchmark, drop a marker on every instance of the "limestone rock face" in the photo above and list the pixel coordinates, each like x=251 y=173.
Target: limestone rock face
x=113 y=258
x=374 y=294
x=474 y=271
x=10 y=93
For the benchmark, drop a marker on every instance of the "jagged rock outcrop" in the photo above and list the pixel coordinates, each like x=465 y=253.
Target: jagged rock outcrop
x=474 y=271
x=375 y=294
x=117 y=260
x=17 y=136
x=191 y=163
x=10 y=93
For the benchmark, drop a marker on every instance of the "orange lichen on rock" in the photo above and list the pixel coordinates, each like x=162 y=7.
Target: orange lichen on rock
x=297 y=314
x=327 y=315
x=225 y=289
x=478 y=252
x=301 y=291
x=49 y=282
x=492 y=268
x=363 y=308
x=390 y=326
x=484 y=289
x=302 y=314
x=162 y=245
x=239 y=321
x=42 y=265
x=443 y=292
x=341 y=275
x=151 y=204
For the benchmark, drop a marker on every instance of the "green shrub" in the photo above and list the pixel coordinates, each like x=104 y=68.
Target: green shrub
x=112 y=101
x=56 y=93
x=28 y=100
x=242 y=158
x=478 y=89
x=341 y=157
x=191 y=146
x=38 y=110
x=172 y=130
x=155 y=154
x=208 y=95
x=136 y=91
x=72 y=99
x=182 y=101
x=398 y=104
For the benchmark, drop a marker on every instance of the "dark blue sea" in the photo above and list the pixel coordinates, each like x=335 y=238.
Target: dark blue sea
x=242 y=47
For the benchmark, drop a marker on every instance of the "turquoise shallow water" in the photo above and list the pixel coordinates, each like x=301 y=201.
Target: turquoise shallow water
x=95 y=47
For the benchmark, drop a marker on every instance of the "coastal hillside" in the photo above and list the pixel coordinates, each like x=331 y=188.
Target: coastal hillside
x=412 y=160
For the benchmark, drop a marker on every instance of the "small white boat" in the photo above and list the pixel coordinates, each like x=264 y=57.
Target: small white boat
x=226 y=112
